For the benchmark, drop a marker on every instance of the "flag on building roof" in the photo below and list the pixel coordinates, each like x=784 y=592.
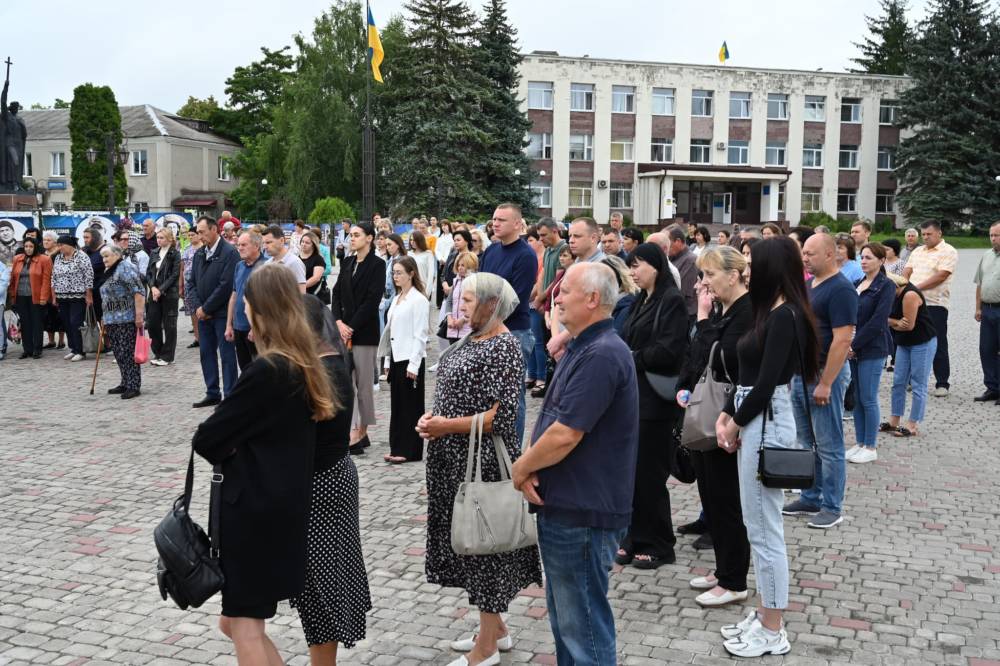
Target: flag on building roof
x=375 y=52
x=723 y=53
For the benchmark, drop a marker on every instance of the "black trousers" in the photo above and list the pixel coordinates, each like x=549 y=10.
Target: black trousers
x=161 y=320
x=246 y=351
x=719 y=488
x=651 y=531
x=406 y=402
x=71 y=311
x=942 y=364
x=122 y=338
x=32 y=323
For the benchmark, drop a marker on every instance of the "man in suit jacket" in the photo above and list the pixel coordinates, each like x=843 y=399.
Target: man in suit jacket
x=212 y=278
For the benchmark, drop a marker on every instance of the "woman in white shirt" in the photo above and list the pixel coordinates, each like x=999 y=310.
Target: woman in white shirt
x=404 y=345
x=426 y=262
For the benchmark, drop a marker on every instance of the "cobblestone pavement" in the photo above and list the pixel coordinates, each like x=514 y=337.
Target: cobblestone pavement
x=910 y=577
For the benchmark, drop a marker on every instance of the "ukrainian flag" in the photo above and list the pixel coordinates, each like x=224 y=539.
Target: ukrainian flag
x=375 y=51
x=723 y=52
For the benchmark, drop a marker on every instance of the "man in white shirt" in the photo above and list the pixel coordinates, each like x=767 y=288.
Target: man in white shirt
x=277 y=251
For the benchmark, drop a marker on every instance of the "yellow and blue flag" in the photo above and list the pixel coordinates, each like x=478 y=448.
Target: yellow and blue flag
x=723 y=53
x=375 y=52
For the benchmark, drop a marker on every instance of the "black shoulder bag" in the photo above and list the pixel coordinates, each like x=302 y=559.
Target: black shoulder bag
x=778 y=467
x=188 y=568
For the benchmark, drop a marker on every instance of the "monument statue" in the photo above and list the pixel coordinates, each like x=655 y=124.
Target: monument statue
x=13 y=138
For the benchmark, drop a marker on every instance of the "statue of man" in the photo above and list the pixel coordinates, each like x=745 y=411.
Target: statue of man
x=6 y=138
x=20 y=140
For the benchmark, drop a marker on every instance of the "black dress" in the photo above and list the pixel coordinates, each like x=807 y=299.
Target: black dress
x=336 y=597
x=264 y=437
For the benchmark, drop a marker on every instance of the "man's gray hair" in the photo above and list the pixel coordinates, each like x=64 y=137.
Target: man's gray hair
x=255 y=237
x=597 y=278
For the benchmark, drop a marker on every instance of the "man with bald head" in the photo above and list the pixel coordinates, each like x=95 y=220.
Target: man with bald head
x=662 y=239
x=835 y=306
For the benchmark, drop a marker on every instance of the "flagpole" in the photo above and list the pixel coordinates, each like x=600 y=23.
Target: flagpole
x=368 y=138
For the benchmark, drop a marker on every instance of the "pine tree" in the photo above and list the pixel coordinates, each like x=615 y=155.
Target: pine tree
x=947 y=167
x=433 y=146
x=93 y=115
x=506 y=169
x=887 y=50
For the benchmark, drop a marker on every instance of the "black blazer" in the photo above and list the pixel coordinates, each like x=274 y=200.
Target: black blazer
x=264 y=437
x=661 y=351
x=727 y=329
x=166 y=278
x=212 y=278
x=356 y=297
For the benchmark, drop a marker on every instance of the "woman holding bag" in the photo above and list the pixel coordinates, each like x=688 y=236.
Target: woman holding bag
x=480 y=373
x=123 y=296
x=163 y=277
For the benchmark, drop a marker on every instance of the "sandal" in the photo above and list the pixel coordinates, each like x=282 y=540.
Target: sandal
x=538 y=391
x=885 y=426
x=649 y=561
x=623 y=557
x=903 y=432
x=530 y=384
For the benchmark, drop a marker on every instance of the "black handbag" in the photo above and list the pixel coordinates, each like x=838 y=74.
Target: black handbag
x=664 y=386
x=778 y=467
x=188 y=569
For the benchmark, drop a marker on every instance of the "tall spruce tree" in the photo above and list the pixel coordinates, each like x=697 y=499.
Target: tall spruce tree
x=433 y=147
x=946 y=168
x=92 y=116
x=506 y=169
x=886 y=50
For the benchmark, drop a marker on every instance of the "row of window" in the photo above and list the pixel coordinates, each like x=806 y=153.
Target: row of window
x=581 y=148
x=847 y=200
x=581 y=98
x=138 y=165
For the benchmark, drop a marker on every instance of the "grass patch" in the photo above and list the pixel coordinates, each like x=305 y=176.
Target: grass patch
x=958 y=242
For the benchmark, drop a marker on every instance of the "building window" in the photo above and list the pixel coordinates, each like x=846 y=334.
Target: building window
x=812 y=199
x=885 y=201
x=777 y=106
x=621 y=195
x=581 y=195
x=812 y=156
x=701 y=103
x=58 y=164
x=581 y=97
x=661 y=150
x=581 y=147
x=815 y=108
x=543 y=194
x=140 y=165
x=886 y=158
x=847 y=201
x=623 y=99
x=663 y=101
x=540 y=95
x=739 y=152
x=774 y=154
x=781 y=198
x=539 y=146
x=848 y=156
x=622 y=150
x=701 y=151
x=739 y=105
x=140 y=207
x=28 y=169
x=850 y=110
x=223 y=168
x=888 y=112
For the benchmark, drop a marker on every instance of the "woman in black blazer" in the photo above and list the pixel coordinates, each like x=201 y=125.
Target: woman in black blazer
x=162 y=275
x=656 y=332
x=355 y=300
x=264 y=436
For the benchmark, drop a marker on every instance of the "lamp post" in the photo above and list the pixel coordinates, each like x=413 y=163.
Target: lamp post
x=261 y=183
x=114 y=157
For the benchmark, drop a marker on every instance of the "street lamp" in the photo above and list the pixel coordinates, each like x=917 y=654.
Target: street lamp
x=114 y=157
x=261 y=183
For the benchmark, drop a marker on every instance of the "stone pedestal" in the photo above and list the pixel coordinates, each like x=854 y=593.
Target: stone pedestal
x=17 y=202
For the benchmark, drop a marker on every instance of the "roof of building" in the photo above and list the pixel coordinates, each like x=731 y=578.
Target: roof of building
x=139 y=121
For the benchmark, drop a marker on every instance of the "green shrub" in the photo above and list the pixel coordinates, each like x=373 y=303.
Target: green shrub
x=331 y=209
x=816 y=219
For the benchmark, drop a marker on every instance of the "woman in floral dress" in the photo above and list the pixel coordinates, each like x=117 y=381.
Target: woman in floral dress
x=480 y=373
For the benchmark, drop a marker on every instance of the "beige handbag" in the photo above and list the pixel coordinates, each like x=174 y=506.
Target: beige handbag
x=707 y=401
x=489 y=517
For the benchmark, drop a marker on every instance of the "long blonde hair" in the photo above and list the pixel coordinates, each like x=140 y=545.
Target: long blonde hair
x=280 y=327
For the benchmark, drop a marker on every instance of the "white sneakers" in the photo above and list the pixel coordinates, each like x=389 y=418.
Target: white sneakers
x=68 y=356
x=505 y=644
x=76 y=358
x=863 y=455
x=709 y=600
x=853 y=451
x=749 y=638
x=159 y=361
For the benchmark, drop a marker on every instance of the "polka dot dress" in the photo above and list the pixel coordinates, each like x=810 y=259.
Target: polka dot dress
x=333 y=604
x=470 y=380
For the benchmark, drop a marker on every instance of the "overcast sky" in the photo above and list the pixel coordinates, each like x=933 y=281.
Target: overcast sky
x=159 y=53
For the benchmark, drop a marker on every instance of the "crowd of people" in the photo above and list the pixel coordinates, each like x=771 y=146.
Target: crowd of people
x=545 y=310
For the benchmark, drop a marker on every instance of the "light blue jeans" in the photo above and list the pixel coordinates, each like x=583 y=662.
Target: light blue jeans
x=913 y=367
x=762 y=506
x=868 y=374
x=827 y=492
x=527 y=340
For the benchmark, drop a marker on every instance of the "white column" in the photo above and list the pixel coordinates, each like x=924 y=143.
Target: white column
x=793 y=158
x=758 y=127
x=868 y=158
x=772 y=201
x=682 y=125
x=720 y=125
x=831 y=151
x=602 y=148
x=560 y=147
x=667 y=203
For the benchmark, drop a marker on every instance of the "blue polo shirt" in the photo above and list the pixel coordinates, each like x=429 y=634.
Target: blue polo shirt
x=240 y=321
x=835 y=303
x=594 y=390
x=518 y=264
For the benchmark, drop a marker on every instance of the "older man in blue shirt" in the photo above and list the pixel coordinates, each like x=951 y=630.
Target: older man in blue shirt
x=237 y=324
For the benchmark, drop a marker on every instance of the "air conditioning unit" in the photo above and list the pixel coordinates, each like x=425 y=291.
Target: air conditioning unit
x=602 y=184
x=721 y=145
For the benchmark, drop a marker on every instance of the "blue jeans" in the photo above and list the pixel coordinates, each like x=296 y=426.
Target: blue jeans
x=536 y=360
x=867 y=374
x=212 y=336
x=527 y=341
x=913 y=367
x=577 y=561
x=989 y=346
x=827 y=492
x=762 y=506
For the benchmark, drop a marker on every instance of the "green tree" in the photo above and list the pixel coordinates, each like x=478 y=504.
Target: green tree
x=330 y=209
x=254 y=92
x=506 y=170
x=887 y=49
x=946 y=167
x=93 y=116
x=61 y=104
x=198 y=109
